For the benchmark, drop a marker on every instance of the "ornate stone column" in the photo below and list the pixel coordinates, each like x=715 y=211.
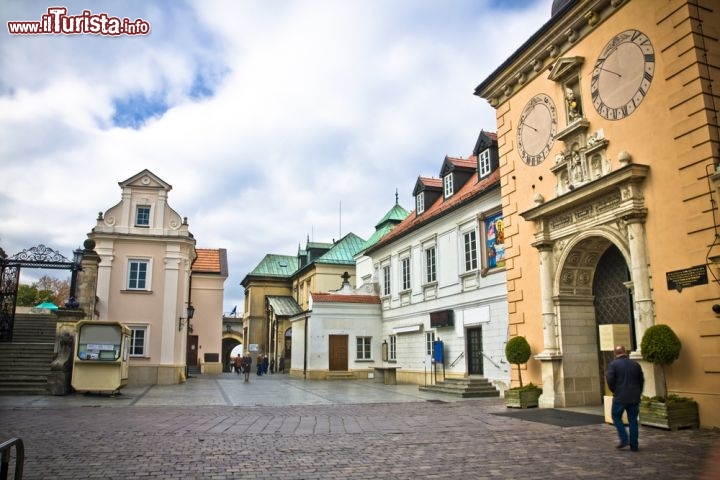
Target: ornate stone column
x=550 y=358
x=640 y=275
x=550 y=340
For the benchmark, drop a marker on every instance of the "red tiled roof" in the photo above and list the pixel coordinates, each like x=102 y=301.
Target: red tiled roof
x=431 y=182
x=207 y=261
x=470 y=163
x=470 y=190
x=338 y=298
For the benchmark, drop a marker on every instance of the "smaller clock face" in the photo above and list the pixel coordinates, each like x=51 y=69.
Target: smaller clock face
x=622 y=75
x=536 y=130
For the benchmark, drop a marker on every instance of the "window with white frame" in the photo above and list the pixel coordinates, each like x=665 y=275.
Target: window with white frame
x=392 y=351
x=142 y=216
x=484 y=162
x=470 y=249
x=138 y=341
x=420 y=202
x=405 y=265
x=386 y=279
x=138 y=274
x=363 y=348
x=448 y=182
x=430 y=267
x=429 y=340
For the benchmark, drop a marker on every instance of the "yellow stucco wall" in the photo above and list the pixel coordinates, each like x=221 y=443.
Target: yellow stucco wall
x=668 y=132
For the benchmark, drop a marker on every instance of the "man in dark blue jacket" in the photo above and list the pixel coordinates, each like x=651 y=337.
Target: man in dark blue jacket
x=625 y=379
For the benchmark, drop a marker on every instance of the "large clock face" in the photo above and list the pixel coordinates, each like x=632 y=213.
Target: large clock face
x=536 y=130
x=622 y=75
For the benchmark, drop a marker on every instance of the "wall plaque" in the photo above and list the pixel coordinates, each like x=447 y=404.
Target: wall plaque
x=687 y=277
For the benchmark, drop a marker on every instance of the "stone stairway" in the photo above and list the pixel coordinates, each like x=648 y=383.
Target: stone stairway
x=463 y=387
x=24 y=368
x=25 y=362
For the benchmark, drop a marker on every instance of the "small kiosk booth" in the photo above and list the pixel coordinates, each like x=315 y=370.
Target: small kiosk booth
x=101 y=356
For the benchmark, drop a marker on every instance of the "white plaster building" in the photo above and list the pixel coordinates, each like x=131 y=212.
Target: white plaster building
x=440 y=274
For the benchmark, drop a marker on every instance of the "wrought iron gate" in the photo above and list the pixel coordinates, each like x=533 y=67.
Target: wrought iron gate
x=35 y=257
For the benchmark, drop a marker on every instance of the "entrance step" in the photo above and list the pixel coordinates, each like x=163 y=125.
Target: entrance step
x=463 y=387
x=339 y=376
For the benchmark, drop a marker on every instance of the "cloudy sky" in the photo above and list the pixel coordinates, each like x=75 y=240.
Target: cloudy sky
x=272 y=120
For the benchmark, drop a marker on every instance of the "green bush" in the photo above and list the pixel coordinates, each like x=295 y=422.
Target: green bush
x=660 y=345
x=517 y=351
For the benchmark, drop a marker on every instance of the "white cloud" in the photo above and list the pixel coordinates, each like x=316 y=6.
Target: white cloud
x=313 y=103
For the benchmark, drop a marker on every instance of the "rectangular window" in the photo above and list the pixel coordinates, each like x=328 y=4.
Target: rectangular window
x=138 y=341
x=392 y=354
x=406 y=273
x=142 y=216
x=470 y=251
x=484 y=162
x=138 y=275
x=448 y=185
x=430 y=271
x=363 y=348
x=429 y=340
x=420 y=202
x=386 y=280
x=495 y=241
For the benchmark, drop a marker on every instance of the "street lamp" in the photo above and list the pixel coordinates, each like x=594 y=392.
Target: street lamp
x=75 y=268
x=181 y=320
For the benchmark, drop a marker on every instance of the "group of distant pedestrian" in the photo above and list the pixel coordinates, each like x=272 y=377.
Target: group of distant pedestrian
x=244 y=364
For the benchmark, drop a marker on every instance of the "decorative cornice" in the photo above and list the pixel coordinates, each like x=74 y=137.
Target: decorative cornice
x=553 y=39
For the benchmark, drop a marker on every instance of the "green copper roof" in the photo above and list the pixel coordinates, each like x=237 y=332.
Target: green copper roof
x=343 y=252
x=276 y=266
x=394 y=216
x=283 y=306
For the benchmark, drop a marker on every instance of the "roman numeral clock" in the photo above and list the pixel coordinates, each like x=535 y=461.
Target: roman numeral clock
x=622 y=75
x=536 y=129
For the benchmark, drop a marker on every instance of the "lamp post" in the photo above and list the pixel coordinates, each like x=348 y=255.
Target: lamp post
x=75 y=268
x=189 y=315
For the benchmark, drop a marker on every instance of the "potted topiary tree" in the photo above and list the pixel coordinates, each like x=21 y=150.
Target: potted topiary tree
x=517 y=351
x=660 y=346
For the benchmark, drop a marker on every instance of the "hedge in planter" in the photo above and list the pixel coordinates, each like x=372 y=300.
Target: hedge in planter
x=660 y=346
x=517 y=351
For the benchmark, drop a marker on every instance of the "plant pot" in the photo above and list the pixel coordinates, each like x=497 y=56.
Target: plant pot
x=670 y=416
x=522 y=398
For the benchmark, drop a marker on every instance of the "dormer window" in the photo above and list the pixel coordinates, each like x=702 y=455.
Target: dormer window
x=142 y=216
x=420 y=202
x=484 y=163
x=448 y=185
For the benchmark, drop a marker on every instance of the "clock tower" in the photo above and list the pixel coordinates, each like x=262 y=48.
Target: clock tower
x=609 y=147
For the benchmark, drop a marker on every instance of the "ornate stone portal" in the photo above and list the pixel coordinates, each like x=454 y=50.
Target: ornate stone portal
x=571 y=233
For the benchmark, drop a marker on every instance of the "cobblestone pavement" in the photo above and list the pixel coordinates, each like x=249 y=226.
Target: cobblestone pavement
x=281 y=428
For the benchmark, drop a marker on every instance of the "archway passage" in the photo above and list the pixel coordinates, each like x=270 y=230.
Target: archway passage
x=35 y=257
x=613 y=301
x=228 y=345
x=593 y=290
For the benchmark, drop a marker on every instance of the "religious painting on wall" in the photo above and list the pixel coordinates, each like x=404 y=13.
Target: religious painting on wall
x=495 y=241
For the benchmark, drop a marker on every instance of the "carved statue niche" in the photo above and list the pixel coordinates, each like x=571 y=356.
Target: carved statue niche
x=573 y=106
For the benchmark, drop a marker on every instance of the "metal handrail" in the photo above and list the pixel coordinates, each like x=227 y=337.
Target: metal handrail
x=493 y=361
x=462 y=354
x=19 y=458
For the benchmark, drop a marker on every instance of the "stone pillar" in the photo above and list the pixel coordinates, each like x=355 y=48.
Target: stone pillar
x=640 y=275
x=550 y=340
x=87 y=280
x=550 y=358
